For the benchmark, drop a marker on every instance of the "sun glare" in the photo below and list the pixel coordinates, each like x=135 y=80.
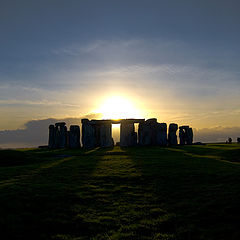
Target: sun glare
x=118 y=108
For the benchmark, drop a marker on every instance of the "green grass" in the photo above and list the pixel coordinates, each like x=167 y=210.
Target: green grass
x=187 y=192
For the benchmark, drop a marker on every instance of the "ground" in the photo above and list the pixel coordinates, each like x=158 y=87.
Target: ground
x=183 y=192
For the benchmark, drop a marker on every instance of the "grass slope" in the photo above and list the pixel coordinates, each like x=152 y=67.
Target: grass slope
x=187 y=192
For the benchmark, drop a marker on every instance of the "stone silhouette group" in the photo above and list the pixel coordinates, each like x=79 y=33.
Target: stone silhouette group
x=229 y=140
x=98 y=133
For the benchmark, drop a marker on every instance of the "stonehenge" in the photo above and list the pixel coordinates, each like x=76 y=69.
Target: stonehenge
x=128 y=136
x=172 y=136
x=185 y=135
x=151 y=133
x=98 y=133
x=74 y=136
x=59 y=137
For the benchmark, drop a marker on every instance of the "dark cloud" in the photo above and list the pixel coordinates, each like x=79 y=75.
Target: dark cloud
x=35 y=132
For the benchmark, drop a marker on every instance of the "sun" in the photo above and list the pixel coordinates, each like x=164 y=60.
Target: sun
x=117 y=107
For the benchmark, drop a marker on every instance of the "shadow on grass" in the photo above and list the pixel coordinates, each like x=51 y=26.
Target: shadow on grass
x=119 y=204
x=196 y=186
x=123 y=193
x=38 y=201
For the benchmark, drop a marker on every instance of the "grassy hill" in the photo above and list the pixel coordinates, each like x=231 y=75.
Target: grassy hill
x=184 y=192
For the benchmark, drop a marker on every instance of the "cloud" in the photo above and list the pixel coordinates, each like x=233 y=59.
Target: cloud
x=26 y=102
x=35 y=132
x=216 y=134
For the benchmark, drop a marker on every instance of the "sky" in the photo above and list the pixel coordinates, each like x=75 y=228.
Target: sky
x=178 y=61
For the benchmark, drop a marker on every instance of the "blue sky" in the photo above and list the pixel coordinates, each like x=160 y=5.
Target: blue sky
x=179 y=60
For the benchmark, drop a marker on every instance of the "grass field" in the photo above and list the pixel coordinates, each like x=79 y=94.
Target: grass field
x=185 y=192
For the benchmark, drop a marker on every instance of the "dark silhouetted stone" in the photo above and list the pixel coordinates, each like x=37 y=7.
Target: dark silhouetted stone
x=162 y=134
x=128 y=136
x=57 y=135
x=152 y=133
x=51 y=138
x=172 y=136
x=74 y=136
x=185 y=135
x=98 y=133
x=106 y=139
x=88 y=134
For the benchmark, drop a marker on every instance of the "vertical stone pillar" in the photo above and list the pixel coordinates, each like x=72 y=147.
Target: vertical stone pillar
x=68 y=139
x=162 y=134
x=185 y=135
x=181 y=136
x=57 y=136
x=128 y=136
x=74 y=136
x=152 y=133
x=172 y=136
x=63 y=137
x=61 y=134
x=97 y=129
x=190 y=136
x=51 y=138
x=106 y=139
x=141 y=134
x=88 y=134
x=144 y=134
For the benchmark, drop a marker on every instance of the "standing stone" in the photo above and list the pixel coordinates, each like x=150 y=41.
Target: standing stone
x=144 y=135
x=152 y=133
x=128 y=136
x=74 y=136
x=162 y=134
x=152 y=127
x=190 y=136
x=147 y=132
x=51 y=138
x=61 y=135
x=68 y=139
x=88 y=135
x=97 y=132
x=172 y=136
x=185 y=135
x=181 y=135
x=106 y=139
x=57 y=137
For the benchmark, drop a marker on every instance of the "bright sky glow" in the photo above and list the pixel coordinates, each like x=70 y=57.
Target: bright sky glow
x=117 y=107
